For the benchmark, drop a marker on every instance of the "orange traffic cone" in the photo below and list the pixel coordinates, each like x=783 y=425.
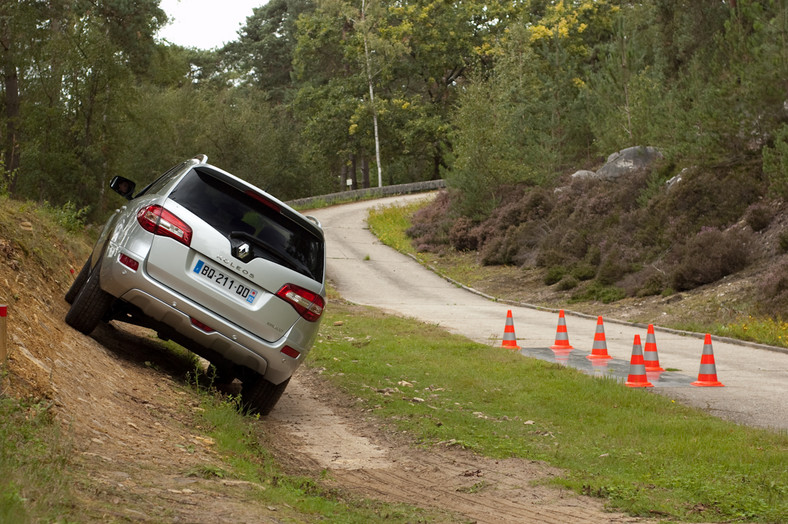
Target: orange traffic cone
x=509 y=338
x=637 y=369
x=599 y=349
x=561 y=335
x=707 y=376
x=650 y=354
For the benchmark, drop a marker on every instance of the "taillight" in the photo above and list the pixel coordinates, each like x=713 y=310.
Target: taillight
x=260 y=198
x=308 y=304
x=159 y=221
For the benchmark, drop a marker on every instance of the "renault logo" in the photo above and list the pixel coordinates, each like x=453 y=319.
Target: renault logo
x=243 y=252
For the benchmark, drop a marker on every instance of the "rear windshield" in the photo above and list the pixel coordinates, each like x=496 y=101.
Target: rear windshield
x=231 y=211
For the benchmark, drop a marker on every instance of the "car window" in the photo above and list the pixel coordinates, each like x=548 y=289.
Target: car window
x=235 y=213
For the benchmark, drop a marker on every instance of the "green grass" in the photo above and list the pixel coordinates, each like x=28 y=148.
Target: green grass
x=646 y=454
x=34 y=458
x=390 y=223
x=764 y=330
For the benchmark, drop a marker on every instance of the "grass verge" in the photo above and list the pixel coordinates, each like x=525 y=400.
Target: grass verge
x=644 y=453
x=34 y=455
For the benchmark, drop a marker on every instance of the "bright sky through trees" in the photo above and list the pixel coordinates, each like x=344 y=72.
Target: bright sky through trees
x=205 y=24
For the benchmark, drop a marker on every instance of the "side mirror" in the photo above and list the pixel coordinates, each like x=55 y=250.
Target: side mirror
x=122 y=186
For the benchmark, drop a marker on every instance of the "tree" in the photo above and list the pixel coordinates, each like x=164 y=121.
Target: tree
x=264 y=51
x=65 y=66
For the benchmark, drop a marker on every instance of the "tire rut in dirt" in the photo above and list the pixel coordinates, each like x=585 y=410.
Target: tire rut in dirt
x=324 y=434
x=496 y=499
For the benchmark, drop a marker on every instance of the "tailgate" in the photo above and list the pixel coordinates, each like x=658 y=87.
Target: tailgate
x=207 y=273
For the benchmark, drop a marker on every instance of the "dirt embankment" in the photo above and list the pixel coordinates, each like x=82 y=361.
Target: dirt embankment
x=137 y=441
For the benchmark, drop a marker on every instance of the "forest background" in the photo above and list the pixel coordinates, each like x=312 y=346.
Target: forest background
x=503 y=100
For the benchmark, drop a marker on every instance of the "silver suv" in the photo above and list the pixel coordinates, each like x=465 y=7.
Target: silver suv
x=216 y=265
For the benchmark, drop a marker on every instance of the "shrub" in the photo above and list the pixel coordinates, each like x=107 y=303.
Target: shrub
x=783 y=240
x=567 y=283
x=773 y=289
x=714 y=197
x=759 y=216
x=646 y=282
x=707 y=257
x=431 y=224
x=461 y=236
x=67 y=216
x=598 y=292
x=612 y=269
x=775 y=163
x=554 y=274
x=584 y=271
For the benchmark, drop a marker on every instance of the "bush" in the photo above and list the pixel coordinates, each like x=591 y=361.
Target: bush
x=784 y=241
x=67 y=216
x=759 y=216
x=431 y=224
x=707 y=257
x=567 y=283
x=598 y=292
x=554 y=274
x=648 y=281
x=775 y=163
x=612 y=269
x=584 y=271
x=461 y=236
x=774 y=288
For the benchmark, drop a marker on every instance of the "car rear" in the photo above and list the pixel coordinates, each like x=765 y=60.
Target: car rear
x=224 y=266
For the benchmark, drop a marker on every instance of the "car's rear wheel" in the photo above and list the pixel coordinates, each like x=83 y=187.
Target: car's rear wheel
x=72 y=292
x=90 y=305
x=259 y=395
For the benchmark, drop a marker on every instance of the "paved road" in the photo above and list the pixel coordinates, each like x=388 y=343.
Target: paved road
x=367 y=272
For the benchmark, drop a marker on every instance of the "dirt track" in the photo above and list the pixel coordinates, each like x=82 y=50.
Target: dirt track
x=362 y=459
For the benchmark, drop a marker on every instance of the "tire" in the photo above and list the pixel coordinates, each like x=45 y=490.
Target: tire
x=90 y=305
x=259 y=396
x=72 y=292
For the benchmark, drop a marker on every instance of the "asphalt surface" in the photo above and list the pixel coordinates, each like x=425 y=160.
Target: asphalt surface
x=366 y=272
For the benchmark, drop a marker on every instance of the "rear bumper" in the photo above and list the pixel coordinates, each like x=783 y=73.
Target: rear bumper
x=164 y=305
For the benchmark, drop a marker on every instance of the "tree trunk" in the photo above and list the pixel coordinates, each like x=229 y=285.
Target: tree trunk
x=353 y=175
x=365 y=172
x=343 y=177
x=11 y=156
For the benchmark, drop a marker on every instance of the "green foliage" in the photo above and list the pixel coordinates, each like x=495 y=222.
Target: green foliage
x=772 y=331
x=34 y=464
x=554 y=275
x=775 y=163
x=595 y=291
x=484 y=94
x=67 y=216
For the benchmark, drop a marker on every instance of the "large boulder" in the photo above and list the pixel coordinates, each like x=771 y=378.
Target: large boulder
x=628 y=161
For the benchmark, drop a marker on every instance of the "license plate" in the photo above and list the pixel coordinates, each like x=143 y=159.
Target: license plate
x=226 y=281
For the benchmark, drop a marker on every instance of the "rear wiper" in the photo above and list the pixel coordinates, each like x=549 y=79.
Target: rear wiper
x=280 y=256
